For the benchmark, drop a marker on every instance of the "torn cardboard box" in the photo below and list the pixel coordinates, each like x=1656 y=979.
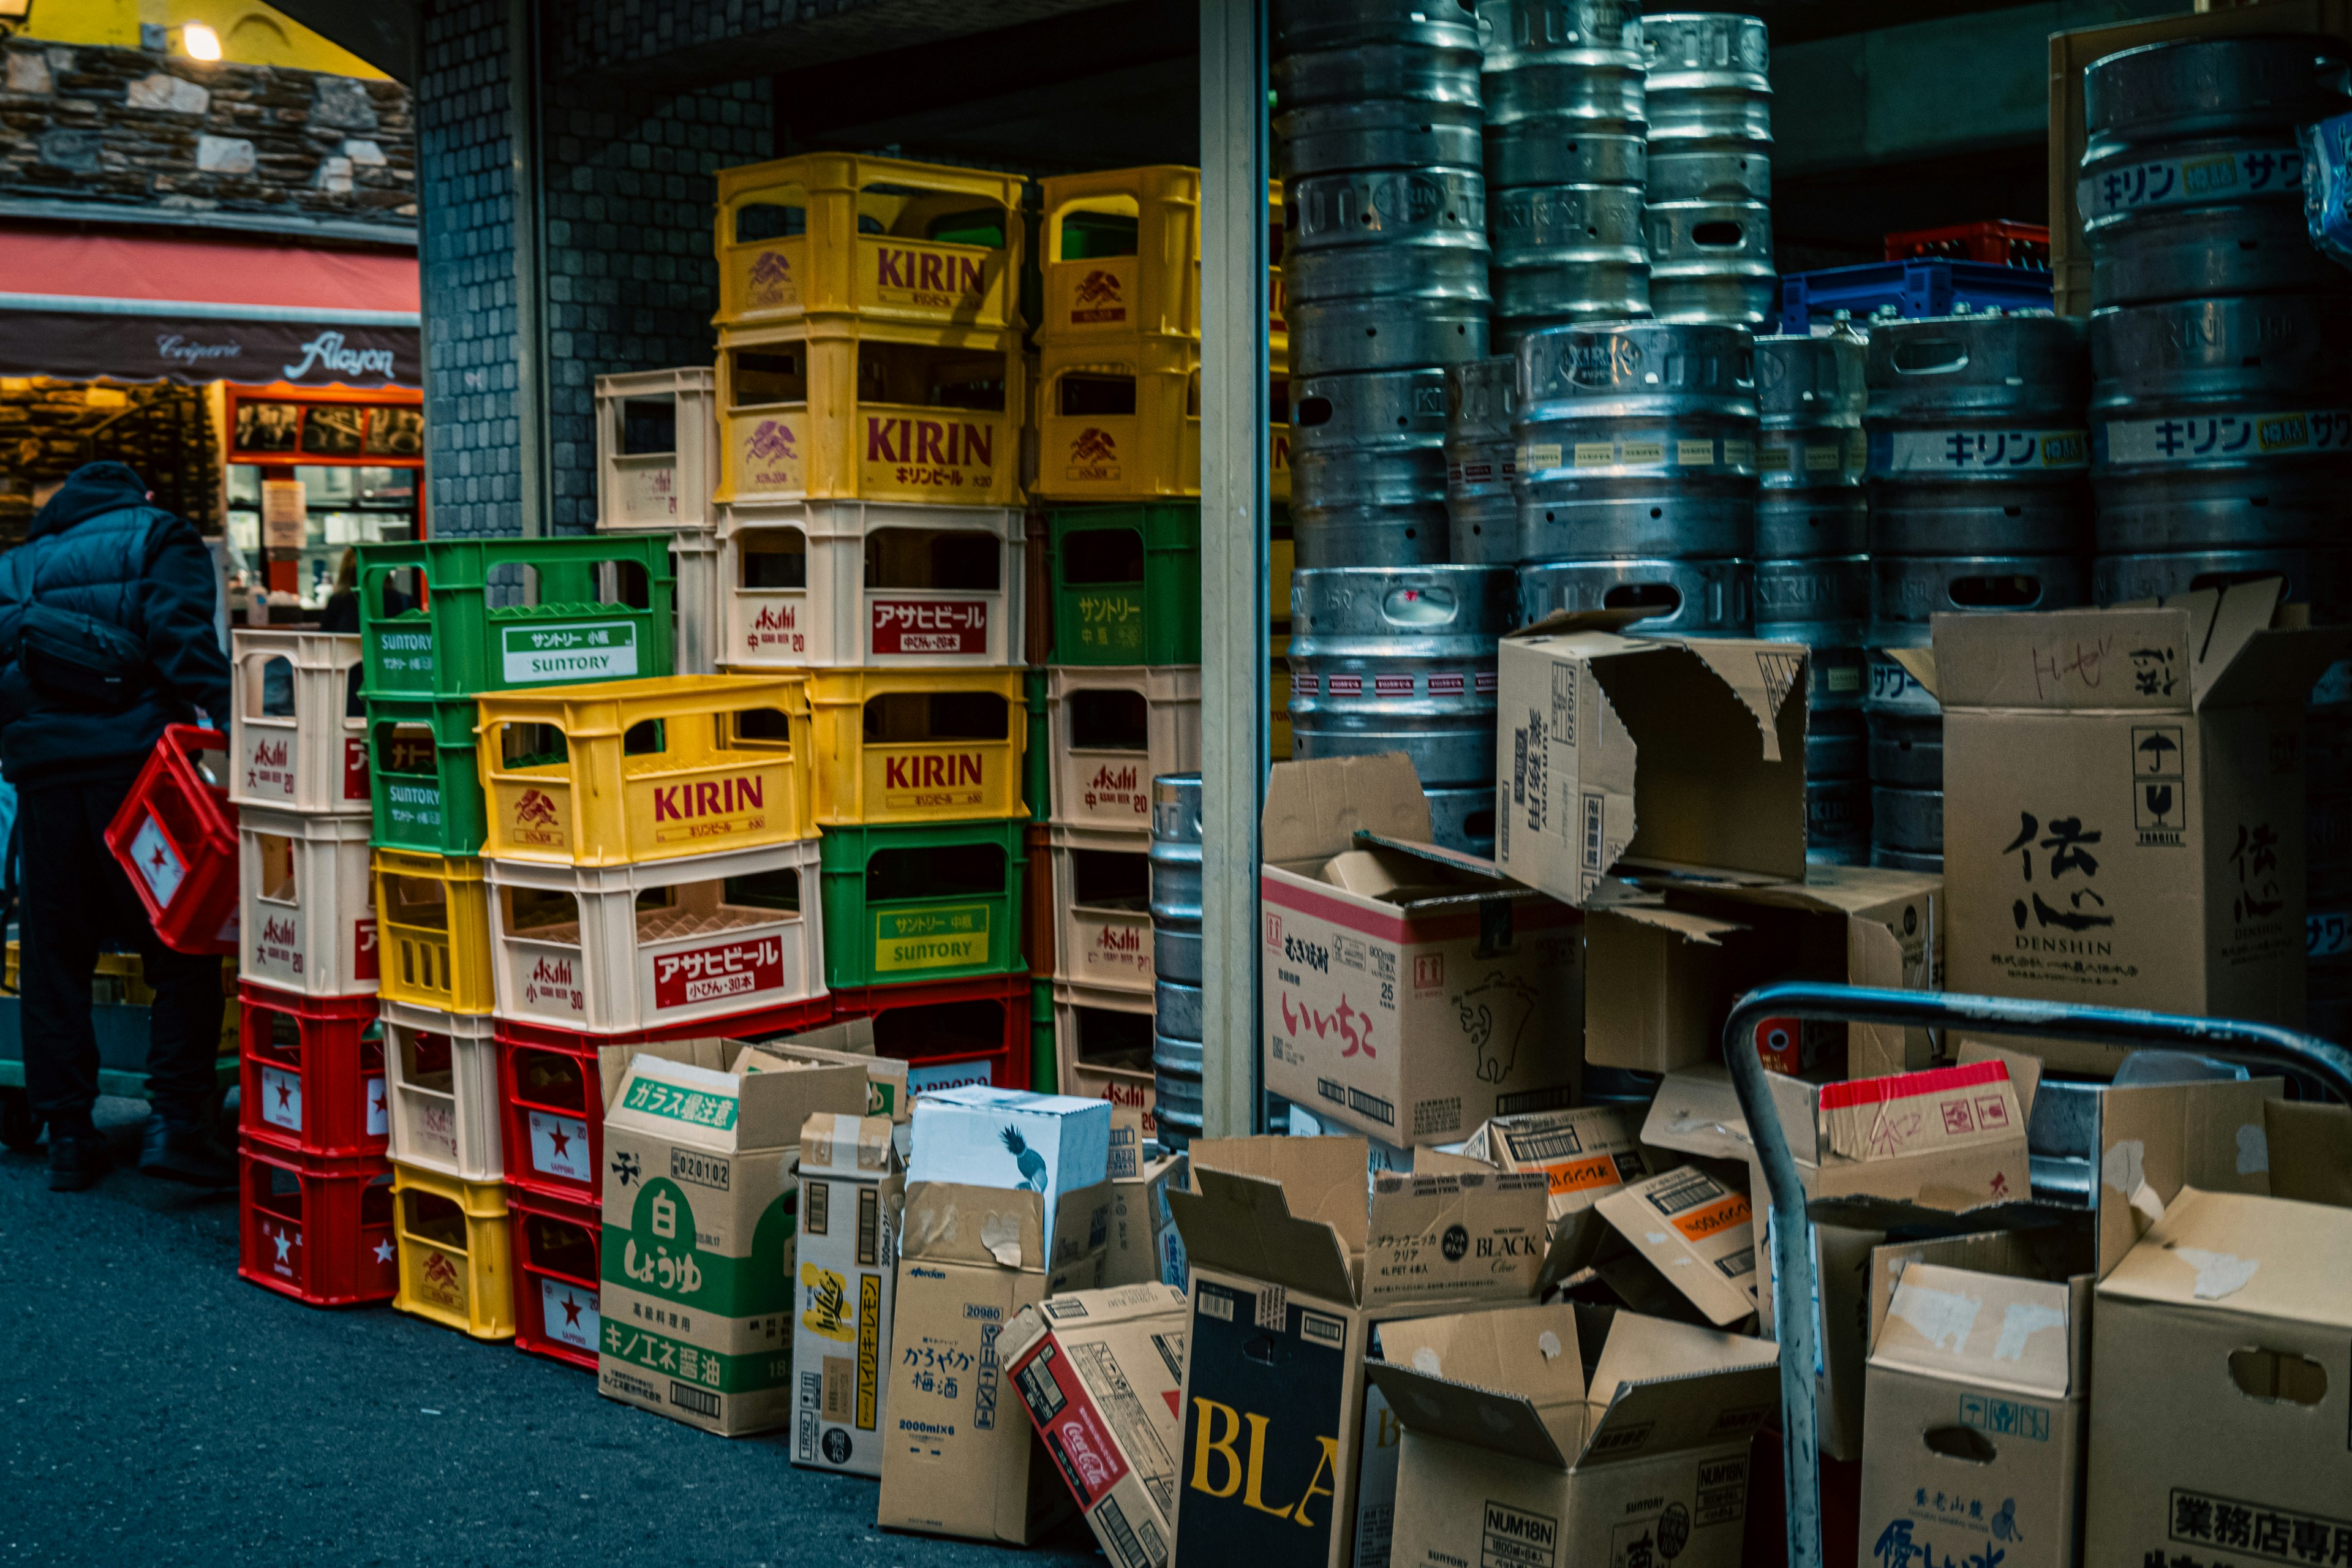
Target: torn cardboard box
x=1659 y=753
x=1101 y=1373
x=850 y=1041
x=957 y=1450
x=2123 y=805
x=1410 y=992
x=1976 y=1431
x=1137 y=1247
x=1293 y=1270
x=853 y=1188
x=1512 y=1460
x=1584 y=1155
x=699 y=1212
x=2221 y=1383
x=1697 y=1233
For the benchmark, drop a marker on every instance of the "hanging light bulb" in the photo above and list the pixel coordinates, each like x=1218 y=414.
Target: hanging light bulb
x=201 y=42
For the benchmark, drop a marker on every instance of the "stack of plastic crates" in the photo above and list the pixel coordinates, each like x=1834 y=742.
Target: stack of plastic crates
x=650 y=875
x=657 y=472
x=444 y=623
x=313 y=1124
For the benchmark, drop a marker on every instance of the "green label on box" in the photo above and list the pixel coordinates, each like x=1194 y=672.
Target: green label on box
x=751 y=1373
x=1111 y=619
x=568 y=651
x=937 y=936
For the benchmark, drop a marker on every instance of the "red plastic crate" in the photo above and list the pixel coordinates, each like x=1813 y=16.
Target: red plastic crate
x=311 y=1073
x=948 y=1032
x=316 y=1229
x=175 y=833
x=552 y=1102
x=558 y=1247
x=1999 y=242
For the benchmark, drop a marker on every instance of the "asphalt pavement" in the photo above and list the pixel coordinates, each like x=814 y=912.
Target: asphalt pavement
x=154 y=1408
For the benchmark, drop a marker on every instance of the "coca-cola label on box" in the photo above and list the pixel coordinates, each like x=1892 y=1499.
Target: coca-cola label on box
x=710 y=974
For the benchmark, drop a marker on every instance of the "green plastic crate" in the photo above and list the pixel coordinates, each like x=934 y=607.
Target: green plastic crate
x=1045 y=1069
x=954 y=927
x=1037 y=767
x=1125 y=601
x=427 y=792
x=457 y=645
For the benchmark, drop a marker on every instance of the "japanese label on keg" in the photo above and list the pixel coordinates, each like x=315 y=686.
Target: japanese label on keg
x=1808 y=458
x=2237 y=435
x=1970 y=454
x=2183 y=182
x=1894 y=687
x=1648 y=449
x=1539 y=455
x=1302 y=684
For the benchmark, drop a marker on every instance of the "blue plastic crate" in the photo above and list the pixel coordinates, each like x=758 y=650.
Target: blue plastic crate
x=1914 y=287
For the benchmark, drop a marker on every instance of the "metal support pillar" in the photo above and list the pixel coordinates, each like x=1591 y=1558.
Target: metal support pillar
x=533 y=487
x=1234 y=655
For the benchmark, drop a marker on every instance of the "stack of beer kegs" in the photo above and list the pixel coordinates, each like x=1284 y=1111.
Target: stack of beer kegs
x=1812 y=577
x=1708 y=216
x=1566 y=151
x=1176 y=1021
x=1977 y=454
x=2221 y=423
x=1384 y=266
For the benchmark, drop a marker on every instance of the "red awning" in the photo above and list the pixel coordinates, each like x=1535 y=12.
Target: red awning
x=139 y=307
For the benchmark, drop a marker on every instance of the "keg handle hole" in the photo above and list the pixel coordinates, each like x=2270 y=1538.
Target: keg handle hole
x=1995 y=593
x=1930 y=356
x=1657 y=513
x=1720 y=235
x=1420 y=606
x=1313 y=411
x=1590 y=232
x=1658 y=598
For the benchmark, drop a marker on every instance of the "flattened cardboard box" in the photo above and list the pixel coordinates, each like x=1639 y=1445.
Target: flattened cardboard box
x=850 y=1041
x=853 y=1188
x=1660 y=753
x=1697 y=1233
x=2124 y=805
x=1101 y=1373
x=957 y=1459
x=699 y=1207
x=1510 y=1459
x=1410 y=992
x=2222 y=1388
x=1976 y=1424
x=1292 y=1271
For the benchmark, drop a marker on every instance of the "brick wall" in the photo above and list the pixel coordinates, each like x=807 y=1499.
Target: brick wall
x=84 y=123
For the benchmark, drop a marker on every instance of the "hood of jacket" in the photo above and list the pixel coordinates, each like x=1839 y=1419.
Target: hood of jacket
x=90 y=490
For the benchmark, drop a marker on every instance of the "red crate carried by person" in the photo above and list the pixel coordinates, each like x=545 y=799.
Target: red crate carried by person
x=176 y=834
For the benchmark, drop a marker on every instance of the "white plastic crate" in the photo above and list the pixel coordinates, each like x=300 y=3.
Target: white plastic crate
x=1114 y=728
x=607 y=949
x=647 y=478
x=307 y=912
x=694 y=558
x=1102 y=1046
x=835 y=584
x=1102 y=907
x=298 y=731
x=441 y=1072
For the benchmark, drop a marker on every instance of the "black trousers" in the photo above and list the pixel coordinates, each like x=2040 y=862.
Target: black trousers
x=77 y=899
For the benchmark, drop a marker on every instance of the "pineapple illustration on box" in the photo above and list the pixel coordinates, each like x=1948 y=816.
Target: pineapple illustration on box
x=984 y=1137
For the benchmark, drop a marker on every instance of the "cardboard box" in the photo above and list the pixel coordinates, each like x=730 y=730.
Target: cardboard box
x=958 y=1451
x=1293 y=1270
x=981 y=1137
x=1137 y=1248
x=1101 y=1371
x=852 y=1190
x=1975 y=1435
x=2310 y=1150
x=850 y=1041
x=1661 y=753
x=1665 y=962
x=1698 y=1233
x=2124 y=802
x=1584 y=1155
x=1513 y=1459
x=700 y=1201
x=1410 y=992
x=2221 y=1383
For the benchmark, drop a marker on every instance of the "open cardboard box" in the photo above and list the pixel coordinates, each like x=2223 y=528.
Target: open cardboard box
x=1665 y=755
x=1410 y=992
x=1514 y=1453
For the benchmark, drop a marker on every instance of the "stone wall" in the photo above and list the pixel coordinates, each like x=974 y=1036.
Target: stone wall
x=128 y=127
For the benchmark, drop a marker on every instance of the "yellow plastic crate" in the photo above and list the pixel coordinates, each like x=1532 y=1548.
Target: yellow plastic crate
x=1122 y=255
x=876 y=237
x=624 y=770
x=917 y=745
x=837 y=410
x=433 y=931
x=456 y=1257
x=1119 y=420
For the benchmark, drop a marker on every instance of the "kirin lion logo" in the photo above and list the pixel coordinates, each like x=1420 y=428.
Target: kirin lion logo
x=773 y=440
x=772 y=275
x=534 y=810
x=1094 y=445
x=1098 y=288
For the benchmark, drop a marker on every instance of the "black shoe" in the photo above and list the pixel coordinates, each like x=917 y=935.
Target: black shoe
x=184 y=1151
x=77 y=1160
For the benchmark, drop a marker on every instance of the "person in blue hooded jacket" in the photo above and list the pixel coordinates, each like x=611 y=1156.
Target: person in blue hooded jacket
x=107 y=634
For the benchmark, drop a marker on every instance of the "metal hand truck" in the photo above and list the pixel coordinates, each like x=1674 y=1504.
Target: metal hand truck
x=1793 y=1280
